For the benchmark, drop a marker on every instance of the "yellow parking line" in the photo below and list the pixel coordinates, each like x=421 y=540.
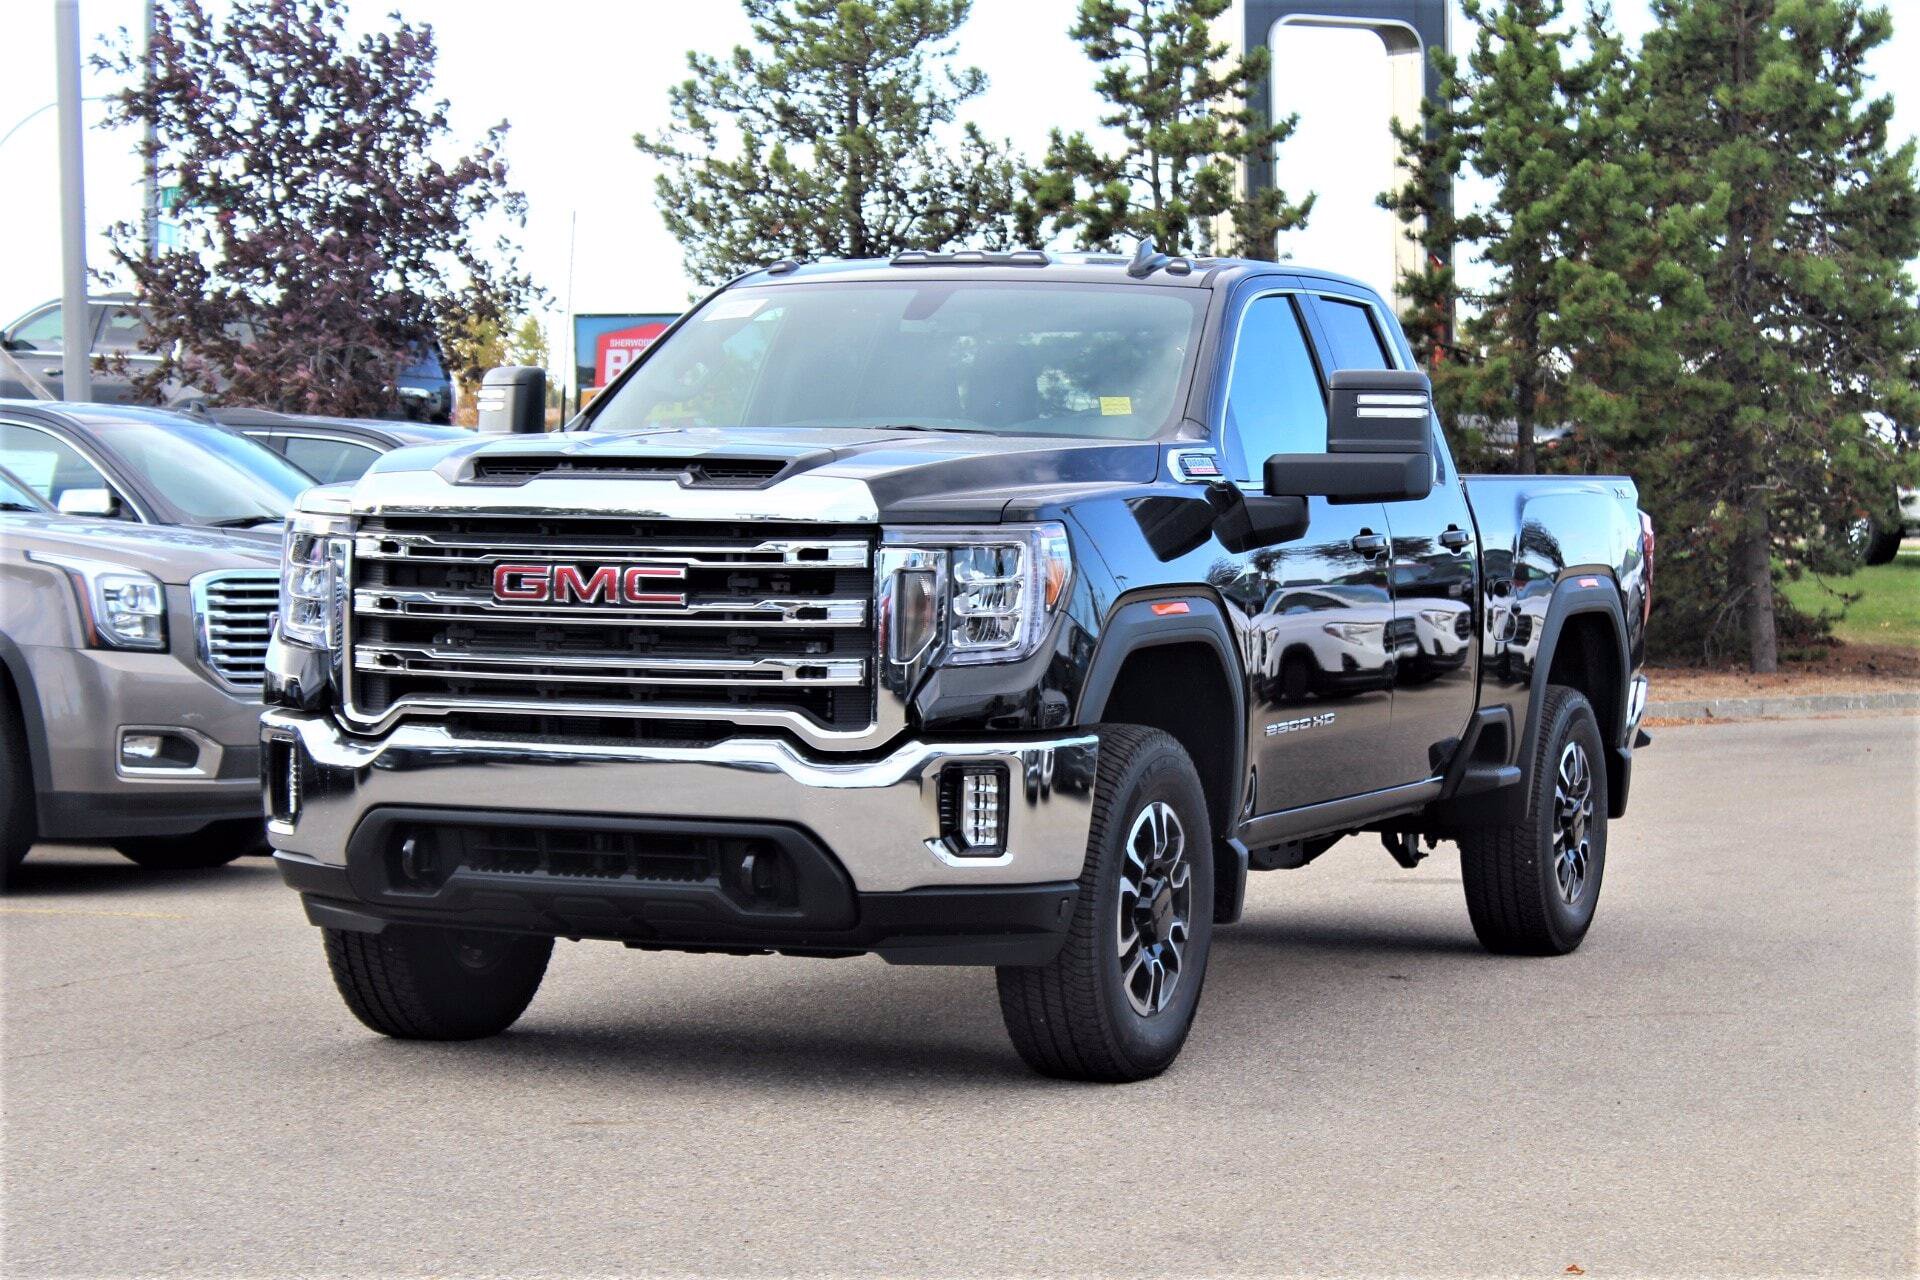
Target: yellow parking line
x=76 y=911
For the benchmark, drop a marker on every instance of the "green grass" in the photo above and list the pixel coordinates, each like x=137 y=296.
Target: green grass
x=1888 y=610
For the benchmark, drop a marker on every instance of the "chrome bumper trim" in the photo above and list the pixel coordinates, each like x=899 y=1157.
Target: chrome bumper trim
x=880 y=817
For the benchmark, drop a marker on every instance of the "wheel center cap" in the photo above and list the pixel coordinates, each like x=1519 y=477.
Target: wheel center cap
x=1156 y=911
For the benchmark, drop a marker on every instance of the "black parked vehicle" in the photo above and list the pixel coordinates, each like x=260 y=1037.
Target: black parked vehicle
x=146 y=465
x=995 y=609
x=332 y=450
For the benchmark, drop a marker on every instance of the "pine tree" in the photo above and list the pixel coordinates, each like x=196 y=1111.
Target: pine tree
x=1519 y=112
x=1181 y=108
x=826 y=140
x=1791 y=222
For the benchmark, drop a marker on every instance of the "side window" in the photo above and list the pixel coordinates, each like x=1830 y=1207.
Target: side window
x=1352 y=340
x=329 y=461
x=47 y=464
x=1274 y=399
x=40 y=332
x=125 y=330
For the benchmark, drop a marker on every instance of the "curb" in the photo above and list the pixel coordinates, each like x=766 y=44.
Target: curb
x=1785 y=708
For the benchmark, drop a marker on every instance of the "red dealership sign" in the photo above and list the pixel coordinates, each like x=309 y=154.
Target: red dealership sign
x=615 y=350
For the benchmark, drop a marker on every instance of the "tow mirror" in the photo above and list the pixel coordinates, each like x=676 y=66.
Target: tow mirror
x=88 y=502
x=1379 y=441
x=513 y=400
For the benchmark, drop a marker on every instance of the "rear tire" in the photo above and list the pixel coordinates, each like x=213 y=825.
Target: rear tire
x=213 y=846
x=422 y=982
x=1117 y=1002
x=1883 y=545
x=18 y=822
x=1532 y=886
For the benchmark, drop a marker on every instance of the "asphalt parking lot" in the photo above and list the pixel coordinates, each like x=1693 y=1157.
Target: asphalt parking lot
x=1721 y=1081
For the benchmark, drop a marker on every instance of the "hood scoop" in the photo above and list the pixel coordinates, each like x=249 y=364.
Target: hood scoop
x=692 y=473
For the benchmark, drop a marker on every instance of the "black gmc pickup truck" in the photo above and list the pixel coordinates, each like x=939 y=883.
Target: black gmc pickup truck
x=998 y=609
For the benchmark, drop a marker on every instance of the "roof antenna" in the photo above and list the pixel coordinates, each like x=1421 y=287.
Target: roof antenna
x=1147 y=259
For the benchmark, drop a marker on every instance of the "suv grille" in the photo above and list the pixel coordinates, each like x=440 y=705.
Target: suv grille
x=234 y=614
x=768 y=618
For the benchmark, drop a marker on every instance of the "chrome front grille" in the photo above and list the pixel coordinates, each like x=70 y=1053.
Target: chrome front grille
x=773 y=623
x=233 y=614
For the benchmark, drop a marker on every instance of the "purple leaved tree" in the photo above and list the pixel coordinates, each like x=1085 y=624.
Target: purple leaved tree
x=326 y=235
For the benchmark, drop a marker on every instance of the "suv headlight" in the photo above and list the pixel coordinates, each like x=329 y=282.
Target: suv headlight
x=122 y=608
x=313 y=556
x=967 y=595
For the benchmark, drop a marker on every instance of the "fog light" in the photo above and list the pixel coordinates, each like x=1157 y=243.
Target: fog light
x=974 y=810
x=282 y=769
x=157 y=751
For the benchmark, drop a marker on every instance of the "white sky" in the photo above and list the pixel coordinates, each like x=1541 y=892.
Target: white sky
x=577 y=78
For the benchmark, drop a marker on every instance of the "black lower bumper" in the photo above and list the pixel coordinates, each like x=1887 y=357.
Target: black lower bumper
x=1020 y=925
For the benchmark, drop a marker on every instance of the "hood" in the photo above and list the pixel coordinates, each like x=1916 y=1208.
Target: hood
x=171 y=553
x=847 y=476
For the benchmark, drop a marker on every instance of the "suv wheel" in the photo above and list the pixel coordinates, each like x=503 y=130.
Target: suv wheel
x=1117 y=1002
x=422 y=982
x=1532 y=886
x=17 y=820
x=213 y=846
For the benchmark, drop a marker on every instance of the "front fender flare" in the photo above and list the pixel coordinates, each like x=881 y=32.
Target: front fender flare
x=1132 y=626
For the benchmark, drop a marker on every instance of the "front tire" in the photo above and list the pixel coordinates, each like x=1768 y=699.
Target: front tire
x=421 y=982
x=1532 y=886
x=1118 y=1001
x=18 y=823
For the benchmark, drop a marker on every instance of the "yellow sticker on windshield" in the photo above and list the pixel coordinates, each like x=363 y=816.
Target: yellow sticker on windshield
x=1116 y=406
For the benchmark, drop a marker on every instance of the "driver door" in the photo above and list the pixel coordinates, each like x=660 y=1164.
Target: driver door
x=1320 y=674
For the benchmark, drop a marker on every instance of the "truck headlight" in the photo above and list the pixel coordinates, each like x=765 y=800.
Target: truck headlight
x=312 y=576
x=973 y=595
x=121 y=608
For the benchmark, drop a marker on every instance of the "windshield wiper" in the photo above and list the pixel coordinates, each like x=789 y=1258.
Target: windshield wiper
x=241 y=522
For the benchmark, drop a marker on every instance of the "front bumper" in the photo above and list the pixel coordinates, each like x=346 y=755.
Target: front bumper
x=87 y=697
x=874 y=825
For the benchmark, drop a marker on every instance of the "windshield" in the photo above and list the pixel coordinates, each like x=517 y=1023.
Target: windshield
x=210 y=475
x=982 y=356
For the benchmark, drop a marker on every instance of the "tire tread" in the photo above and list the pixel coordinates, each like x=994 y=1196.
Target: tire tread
x=384 y=983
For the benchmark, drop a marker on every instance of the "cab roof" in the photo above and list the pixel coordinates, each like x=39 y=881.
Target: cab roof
x=1034 y=264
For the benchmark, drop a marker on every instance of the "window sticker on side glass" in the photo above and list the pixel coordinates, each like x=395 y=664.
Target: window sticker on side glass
x=1116 y=406
x=733 y=309
x=33 y=466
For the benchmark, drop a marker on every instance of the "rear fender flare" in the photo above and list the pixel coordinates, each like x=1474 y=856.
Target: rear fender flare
x=1571 y=599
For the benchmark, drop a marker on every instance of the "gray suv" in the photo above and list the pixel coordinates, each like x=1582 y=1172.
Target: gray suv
x=130 y=667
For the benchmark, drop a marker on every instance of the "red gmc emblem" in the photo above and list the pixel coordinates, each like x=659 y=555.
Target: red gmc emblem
x=604 y=584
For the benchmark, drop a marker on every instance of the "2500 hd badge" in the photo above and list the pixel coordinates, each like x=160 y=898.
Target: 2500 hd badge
x=963 y=609
x=1320 y=721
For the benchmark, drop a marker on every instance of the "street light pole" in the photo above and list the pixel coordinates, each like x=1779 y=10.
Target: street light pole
x=77 y=327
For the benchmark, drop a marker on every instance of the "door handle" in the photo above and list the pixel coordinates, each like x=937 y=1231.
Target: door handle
x=1455 y=538
x=1368 y=543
